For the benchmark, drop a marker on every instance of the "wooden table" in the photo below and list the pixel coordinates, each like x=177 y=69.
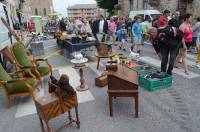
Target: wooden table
x=110 y=55
x=123 y=83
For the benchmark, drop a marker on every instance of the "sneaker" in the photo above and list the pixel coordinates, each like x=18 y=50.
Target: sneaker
x=198 y=66
x=138 y=51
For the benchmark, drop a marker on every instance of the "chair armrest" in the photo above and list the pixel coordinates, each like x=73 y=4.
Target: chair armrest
x=3 y=82
x=26 y=67
x=46 y=61
x=16 y=80
x=40 y=59
x=16 y=72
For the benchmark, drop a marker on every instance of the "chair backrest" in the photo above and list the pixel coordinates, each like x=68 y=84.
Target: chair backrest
x=66 y=103
x=21 y=55
x=4 y=76
x=116 y=83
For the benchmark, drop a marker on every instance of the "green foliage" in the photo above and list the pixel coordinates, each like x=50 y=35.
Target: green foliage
x=107 y=4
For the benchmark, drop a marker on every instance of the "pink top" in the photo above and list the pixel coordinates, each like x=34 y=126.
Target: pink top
x=112 y=26
x=188 y=35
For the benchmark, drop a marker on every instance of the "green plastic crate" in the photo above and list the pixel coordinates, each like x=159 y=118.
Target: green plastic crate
x=141 y=70
x=152 y=85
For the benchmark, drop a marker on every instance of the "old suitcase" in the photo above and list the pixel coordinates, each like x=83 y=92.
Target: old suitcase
x=101 y=80
x=111 y=66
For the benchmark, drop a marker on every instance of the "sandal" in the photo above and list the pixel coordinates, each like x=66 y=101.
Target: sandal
x=177 y=67
x=186 y=73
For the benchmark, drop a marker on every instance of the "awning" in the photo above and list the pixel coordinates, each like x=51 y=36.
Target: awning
x=55 y=14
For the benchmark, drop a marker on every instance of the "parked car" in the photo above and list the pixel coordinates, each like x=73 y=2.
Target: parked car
x=153 y=14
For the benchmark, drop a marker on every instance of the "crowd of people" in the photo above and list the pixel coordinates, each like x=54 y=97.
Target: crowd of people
x=173 y=38
x=171 y=35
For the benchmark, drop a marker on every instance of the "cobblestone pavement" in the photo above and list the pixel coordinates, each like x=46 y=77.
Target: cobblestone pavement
x=175 y=109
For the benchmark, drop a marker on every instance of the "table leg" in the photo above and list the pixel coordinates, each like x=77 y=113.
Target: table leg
x=136 y=106
x=110 y=105
x=98 y=62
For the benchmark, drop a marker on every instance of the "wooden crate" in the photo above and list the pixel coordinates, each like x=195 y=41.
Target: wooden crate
x=101 y=81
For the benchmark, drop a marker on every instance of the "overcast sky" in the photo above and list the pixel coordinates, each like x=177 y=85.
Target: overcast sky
x=61 y=5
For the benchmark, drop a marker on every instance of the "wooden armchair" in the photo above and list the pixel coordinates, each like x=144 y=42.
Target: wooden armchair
x=14 y=87
x=27 y=63
x=119 y=87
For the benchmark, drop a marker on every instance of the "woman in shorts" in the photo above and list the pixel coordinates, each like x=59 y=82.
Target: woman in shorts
x=186 y=41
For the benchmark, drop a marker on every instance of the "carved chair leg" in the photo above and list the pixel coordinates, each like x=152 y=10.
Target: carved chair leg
x=77 y=117
x=98 y=62
x=7 y=102
x=42 y=126
x=48 y=128
x=69 y=116
x=110 y=105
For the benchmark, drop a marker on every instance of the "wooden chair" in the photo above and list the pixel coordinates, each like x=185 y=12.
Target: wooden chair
x=119 y=87
x=16 y=86
x=67 y=104
x=54 y=105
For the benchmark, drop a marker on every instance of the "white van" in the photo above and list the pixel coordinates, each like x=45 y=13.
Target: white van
x=145 y=13
x=5 y=39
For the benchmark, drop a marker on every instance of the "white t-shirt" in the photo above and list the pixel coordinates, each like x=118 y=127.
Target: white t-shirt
x=101 y=23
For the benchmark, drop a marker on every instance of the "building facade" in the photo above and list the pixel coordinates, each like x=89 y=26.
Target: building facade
x=172 y=5
x=37 y=7
x=83 y=11
x=12 y=6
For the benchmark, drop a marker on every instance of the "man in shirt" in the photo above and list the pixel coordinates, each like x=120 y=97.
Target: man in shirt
x=100 y=26
x=175 y=21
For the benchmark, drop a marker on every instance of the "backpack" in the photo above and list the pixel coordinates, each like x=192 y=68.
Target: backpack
x=169 y=33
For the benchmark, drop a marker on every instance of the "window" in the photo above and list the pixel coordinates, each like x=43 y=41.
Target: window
x=131 y=5
x=45 y=12
x=36 y=11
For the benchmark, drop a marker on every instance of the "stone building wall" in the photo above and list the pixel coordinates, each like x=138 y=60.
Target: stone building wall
x=168 y=4
x=171 y=5
x=194 y=8
x=125 y=7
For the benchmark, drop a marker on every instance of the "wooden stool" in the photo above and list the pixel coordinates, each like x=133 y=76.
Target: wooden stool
x=109 y=55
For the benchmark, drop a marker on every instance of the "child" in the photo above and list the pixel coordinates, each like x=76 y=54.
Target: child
x=121 y=33
x=137 y=33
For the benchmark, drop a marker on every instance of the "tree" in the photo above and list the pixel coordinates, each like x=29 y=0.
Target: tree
x=107 y=4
